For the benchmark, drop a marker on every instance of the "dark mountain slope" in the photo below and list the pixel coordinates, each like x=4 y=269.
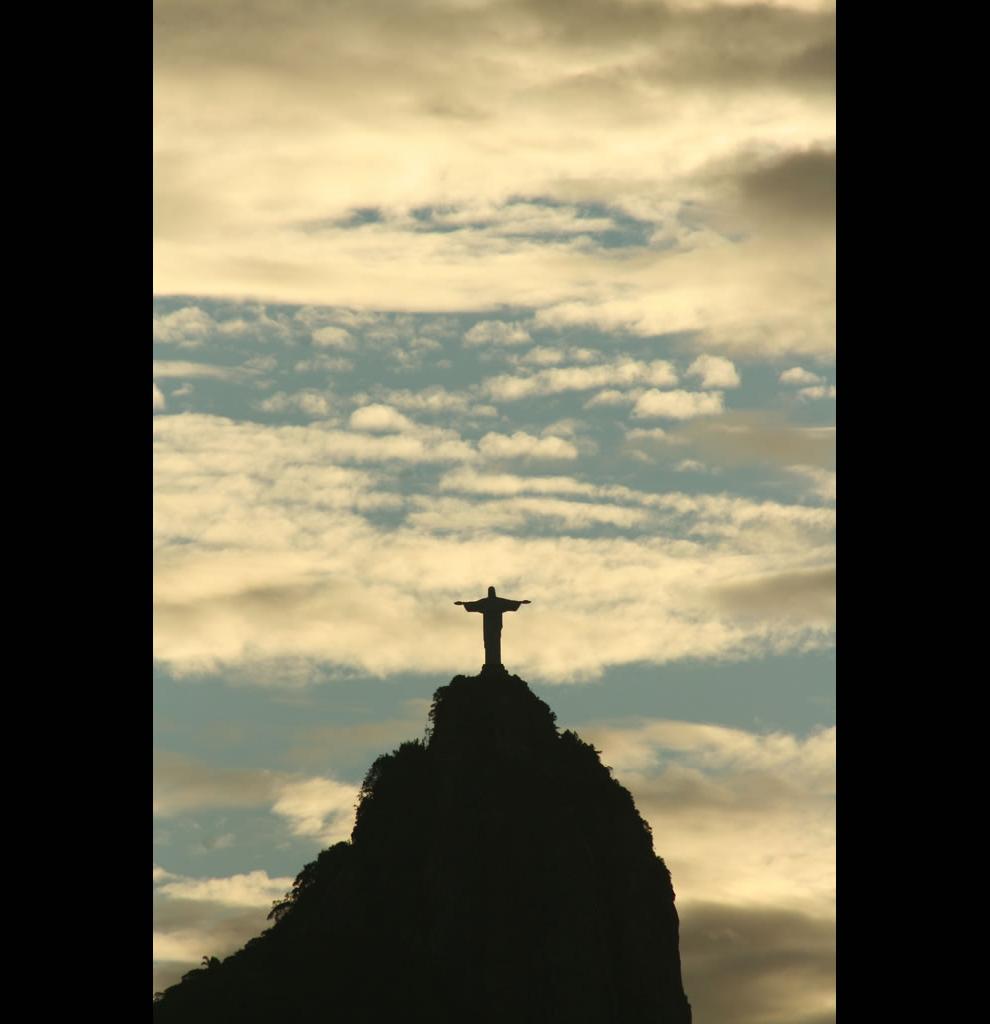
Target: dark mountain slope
x=496 y=873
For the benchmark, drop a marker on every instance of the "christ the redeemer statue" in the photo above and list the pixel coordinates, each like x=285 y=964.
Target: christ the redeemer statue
x=491 y=608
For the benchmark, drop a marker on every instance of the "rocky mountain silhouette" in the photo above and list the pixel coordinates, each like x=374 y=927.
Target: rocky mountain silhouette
x=496 y=873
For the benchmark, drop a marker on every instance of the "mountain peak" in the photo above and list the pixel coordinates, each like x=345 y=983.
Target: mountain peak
x=496 y=872
x=494 y=712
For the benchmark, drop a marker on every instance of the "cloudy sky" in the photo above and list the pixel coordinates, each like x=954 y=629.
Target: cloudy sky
x=537 y=294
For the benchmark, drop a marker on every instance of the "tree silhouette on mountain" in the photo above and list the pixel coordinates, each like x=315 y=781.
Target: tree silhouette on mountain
x=496 y=873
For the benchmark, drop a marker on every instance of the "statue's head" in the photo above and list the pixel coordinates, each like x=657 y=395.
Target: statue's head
x=491 y=591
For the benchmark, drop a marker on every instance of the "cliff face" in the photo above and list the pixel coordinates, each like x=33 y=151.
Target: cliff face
x=496 y=873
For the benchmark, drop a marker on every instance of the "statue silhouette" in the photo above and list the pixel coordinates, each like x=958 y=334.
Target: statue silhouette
x=491 y=607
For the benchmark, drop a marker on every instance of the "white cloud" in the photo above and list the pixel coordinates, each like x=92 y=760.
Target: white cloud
x=157 y=398
x=714 y=371
x=642 y=747
x=164 y=368
x=569 y=426
x=724 y=293
x=469 y=481
x=188 y=436
x=314 y=317
x=797 y=375
x=648 y=434
x=547 y=355
x=309 y=401
x=677 y=405
x=322 y=363
x=411 y=354
x=435 y=399
x=187 y=327
x=522 y=218
x=612 y=397
x=821 y=482
x=543 y=355
x=624 y=372
x=450 y=514
x=380 y=419
x=321 y=808
x=496 y=332
x=252 y=889
x=332 y=337
x=526 y=446
x=818 y=391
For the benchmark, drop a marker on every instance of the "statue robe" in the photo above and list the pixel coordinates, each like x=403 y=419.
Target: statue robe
x=492 y=608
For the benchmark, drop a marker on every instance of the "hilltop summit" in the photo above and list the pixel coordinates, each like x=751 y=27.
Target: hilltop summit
x=496 y=873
